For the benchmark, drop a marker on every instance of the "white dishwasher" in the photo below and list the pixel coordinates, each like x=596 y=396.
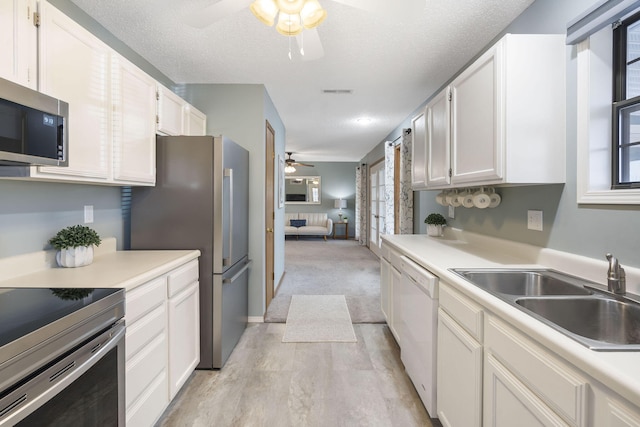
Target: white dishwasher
x=419 y=319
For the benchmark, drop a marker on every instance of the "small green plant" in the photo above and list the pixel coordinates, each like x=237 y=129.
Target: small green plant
x=344 y=218
x=435 y=219
x=74 y=236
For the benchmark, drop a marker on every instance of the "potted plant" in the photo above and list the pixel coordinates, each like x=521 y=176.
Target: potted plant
x=345 y=219
x=75 y=245
x=435 y=222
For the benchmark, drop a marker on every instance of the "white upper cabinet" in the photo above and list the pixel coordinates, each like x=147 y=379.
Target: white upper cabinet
x=19 y=41
x=195 y=121
x=134 y=121
x=177 y=117
x=419 y=151
x=504 y=122
x=170 y=115
x=74 y=67
x=438 y=140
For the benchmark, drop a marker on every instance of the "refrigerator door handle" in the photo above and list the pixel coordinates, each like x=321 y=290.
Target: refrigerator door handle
x=238 y=274
x=228 y=173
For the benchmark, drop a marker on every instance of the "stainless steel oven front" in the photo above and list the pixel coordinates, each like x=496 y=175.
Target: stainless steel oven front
x=62 y=362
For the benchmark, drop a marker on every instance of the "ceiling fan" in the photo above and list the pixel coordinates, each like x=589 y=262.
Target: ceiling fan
x=308 y=41
x=292 y=162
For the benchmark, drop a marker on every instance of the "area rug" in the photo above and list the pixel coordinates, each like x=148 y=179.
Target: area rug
x=319 y=318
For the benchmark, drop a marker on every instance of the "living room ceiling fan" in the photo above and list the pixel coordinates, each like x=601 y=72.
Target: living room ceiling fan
x=292 y=162
x=306 y=36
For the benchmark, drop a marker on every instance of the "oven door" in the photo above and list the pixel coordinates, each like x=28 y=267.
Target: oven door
x=83 y=387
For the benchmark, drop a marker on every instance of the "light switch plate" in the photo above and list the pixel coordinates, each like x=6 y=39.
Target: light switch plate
x=88 y=214
x=534 y=220
x=452 y=212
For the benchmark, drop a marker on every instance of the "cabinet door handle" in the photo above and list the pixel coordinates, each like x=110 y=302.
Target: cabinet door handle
x=269 y=230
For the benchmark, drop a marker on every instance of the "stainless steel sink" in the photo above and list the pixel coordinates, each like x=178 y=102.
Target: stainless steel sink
x=578 y=308
x=525 y=282
x=596 y=318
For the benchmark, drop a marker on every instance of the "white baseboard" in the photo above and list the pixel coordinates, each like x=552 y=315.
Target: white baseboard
x=256 y=319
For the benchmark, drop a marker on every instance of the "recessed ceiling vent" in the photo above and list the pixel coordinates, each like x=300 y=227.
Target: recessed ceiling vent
x=338 y=91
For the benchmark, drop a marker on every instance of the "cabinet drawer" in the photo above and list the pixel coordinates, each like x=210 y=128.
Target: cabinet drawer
x=182 y=277
x=555 y=382
x=144 y=299
x=384 y=251
x=145 y=330
x=152 y=403
x=145 y=367
x=395 y=258
x=467 y=313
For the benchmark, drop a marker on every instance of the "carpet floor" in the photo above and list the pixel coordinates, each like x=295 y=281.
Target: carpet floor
x=334 y=267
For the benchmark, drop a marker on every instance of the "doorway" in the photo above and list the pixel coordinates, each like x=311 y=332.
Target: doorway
x=269 y=210
x=377 y=208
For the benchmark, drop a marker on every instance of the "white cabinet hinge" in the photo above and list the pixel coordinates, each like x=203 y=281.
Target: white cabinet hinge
x=157 y=119
x=450 y=172
x=157 y=95
x=36 y=19
x=449 y=95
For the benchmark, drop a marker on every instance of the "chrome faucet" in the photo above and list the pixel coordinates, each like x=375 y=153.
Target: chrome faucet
x=616 y=278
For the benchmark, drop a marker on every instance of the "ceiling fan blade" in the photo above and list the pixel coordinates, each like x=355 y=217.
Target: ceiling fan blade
x=389 y=9
x=215 y=12
x=310 y=45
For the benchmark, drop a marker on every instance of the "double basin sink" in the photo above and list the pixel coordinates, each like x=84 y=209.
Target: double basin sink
x=578 y=308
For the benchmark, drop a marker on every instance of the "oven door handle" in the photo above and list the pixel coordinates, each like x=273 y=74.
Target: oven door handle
x=53 y=379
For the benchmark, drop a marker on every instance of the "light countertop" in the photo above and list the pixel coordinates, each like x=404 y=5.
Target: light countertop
x=619 y=371
x=110 y=268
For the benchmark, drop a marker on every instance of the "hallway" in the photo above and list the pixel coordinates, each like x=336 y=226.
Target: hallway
x=269 y=383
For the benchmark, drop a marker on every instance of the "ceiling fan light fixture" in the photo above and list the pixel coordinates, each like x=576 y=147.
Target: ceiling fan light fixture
x=265 y=11
x=290 y=7
x=312 y=14
x=289 y=25
x=289 y=169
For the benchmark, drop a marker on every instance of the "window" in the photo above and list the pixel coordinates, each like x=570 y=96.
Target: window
x=626 y=105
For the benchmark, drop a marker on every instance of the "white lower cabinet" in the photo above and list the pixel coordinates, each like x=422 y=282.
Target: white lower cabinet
x=385 y=287
x=508 y=402
x=547 y=389
x=184 y=325
x=459 y=374
x=396 y=290
x=162 y=342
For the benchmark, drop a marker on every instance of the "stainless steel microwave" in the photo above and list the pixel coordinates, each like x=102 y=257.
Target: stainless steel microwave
x=33 y=127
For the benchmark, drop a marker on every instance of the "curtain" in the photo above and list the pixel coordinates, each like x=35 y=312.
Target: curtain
x=405 y=208
x=361 y=204
x=389 y=174
x=406 y=193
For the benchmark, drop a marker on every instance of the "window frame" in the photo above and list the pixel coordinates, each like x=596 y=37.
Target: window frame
x=620 y=101
x=594 y=65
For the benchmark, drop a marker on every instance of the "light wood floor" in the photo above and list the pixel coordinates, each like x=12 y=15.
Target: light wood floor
x=269 y=383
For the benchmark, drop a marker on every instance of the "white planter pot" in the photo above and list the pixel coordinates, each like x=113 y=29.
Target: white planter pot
x=434 y=230
x=75 y=257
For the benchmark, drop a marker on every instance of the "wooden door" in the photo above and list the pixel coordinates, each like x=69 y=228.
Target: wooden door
x=269 y=213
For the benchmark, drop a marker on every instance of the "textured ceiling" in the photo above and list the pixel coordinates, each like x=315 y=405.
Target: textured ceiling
x=392 y=65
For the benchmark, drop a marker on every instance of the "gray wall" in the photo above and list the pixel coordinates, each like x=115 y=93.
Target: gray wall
x=239 y=112
x=32 y=212
x=585 y=230
x=338 y=181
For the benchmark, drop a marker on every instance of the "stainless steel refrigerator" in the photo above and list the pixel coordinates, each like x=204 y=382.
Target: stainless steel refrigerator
x=201 y=201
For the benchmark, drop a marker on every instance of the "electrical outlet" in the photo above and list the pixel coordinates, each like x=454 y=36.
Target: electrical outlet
x=88 y=214
x=452 y=212
x=534 y=220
